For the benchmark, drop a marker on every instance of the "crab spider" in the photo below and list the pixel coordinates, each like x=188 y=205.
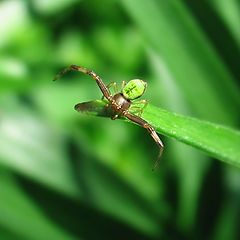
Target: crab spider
x=121 y=101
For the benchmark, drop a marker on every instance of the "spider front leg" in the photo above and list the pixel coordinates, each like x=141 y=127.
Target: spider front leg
x=152 y=132
x=112 y=85
x=123 y=84
x=105 y=91
x=136 y=109
x=115 y=87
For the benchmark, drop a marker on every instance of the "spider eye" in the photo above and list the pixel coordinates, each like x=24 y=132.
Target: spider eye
x=134 y=89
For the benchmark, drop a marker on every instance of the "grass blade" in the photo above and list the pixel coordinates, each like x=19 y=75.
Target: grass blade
x=216 y=140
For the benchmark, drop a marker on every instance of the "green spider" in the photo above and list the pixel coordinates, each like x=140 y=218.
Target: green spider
x=120 y=102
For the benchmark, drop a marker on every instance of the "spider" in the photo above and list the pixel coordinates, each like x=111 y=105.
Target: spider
x=120 y=102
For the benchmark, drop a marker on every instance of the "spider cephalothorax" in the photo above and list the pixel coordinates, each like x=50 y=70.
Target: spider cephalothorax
x=121 y=102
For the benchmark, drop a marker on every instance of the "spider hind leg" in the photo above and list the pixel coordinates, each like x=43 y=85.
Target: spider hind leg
x=151 y=131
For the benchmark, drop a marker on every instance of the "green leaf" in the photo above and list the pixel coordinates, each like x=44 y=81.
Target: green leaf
x=216 y=140
x=22 y=217
x=229 y=12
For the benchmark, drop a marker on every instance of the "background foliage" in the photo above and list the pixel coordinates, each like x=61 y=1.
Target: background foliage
x=69 y=176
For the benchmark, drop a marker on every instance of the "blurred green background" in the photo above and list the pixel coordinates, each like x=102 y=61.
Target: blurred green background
x=65 y=175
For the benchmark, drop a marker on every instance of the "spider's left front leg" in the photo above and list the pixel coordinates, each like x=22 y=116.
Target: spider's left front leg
x=105 y=91
x=151 y=130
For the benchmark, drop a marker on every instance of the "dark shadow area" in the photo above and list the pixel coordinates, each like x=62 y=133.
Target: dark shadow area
x=75 y=217
x=210 y=202
x=8 y=234
x=218 y=33
x=114 y=188
x=172 y=196
x=81 y=15
x=83 y=167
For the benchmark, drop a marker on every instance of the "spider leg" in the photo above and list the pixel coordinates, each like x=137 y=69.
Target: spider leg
x=105 y=91
x=123 y=84
x=138 y=109
x=112 y=85
x=151 y=131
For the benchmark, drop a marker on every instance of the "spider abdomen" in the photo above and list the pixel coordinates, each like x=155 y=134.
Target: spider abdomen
x=134 y=89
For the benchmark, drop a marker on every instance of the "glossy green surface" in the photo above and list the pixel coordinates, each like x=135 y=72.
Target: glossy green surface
x=134 y=89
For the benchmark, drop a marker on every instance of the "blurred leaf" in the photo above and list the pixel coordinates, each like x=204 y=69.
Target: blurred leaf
x=37 y=149
x=39 y=154
x=189 y=182
x=201 y=75
x=13 y=20
x=68 y=166
x=21 y=216
x=111 y=40
x=229 y=11
x=73 y=48
x=52 y=7
x=227 y=225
